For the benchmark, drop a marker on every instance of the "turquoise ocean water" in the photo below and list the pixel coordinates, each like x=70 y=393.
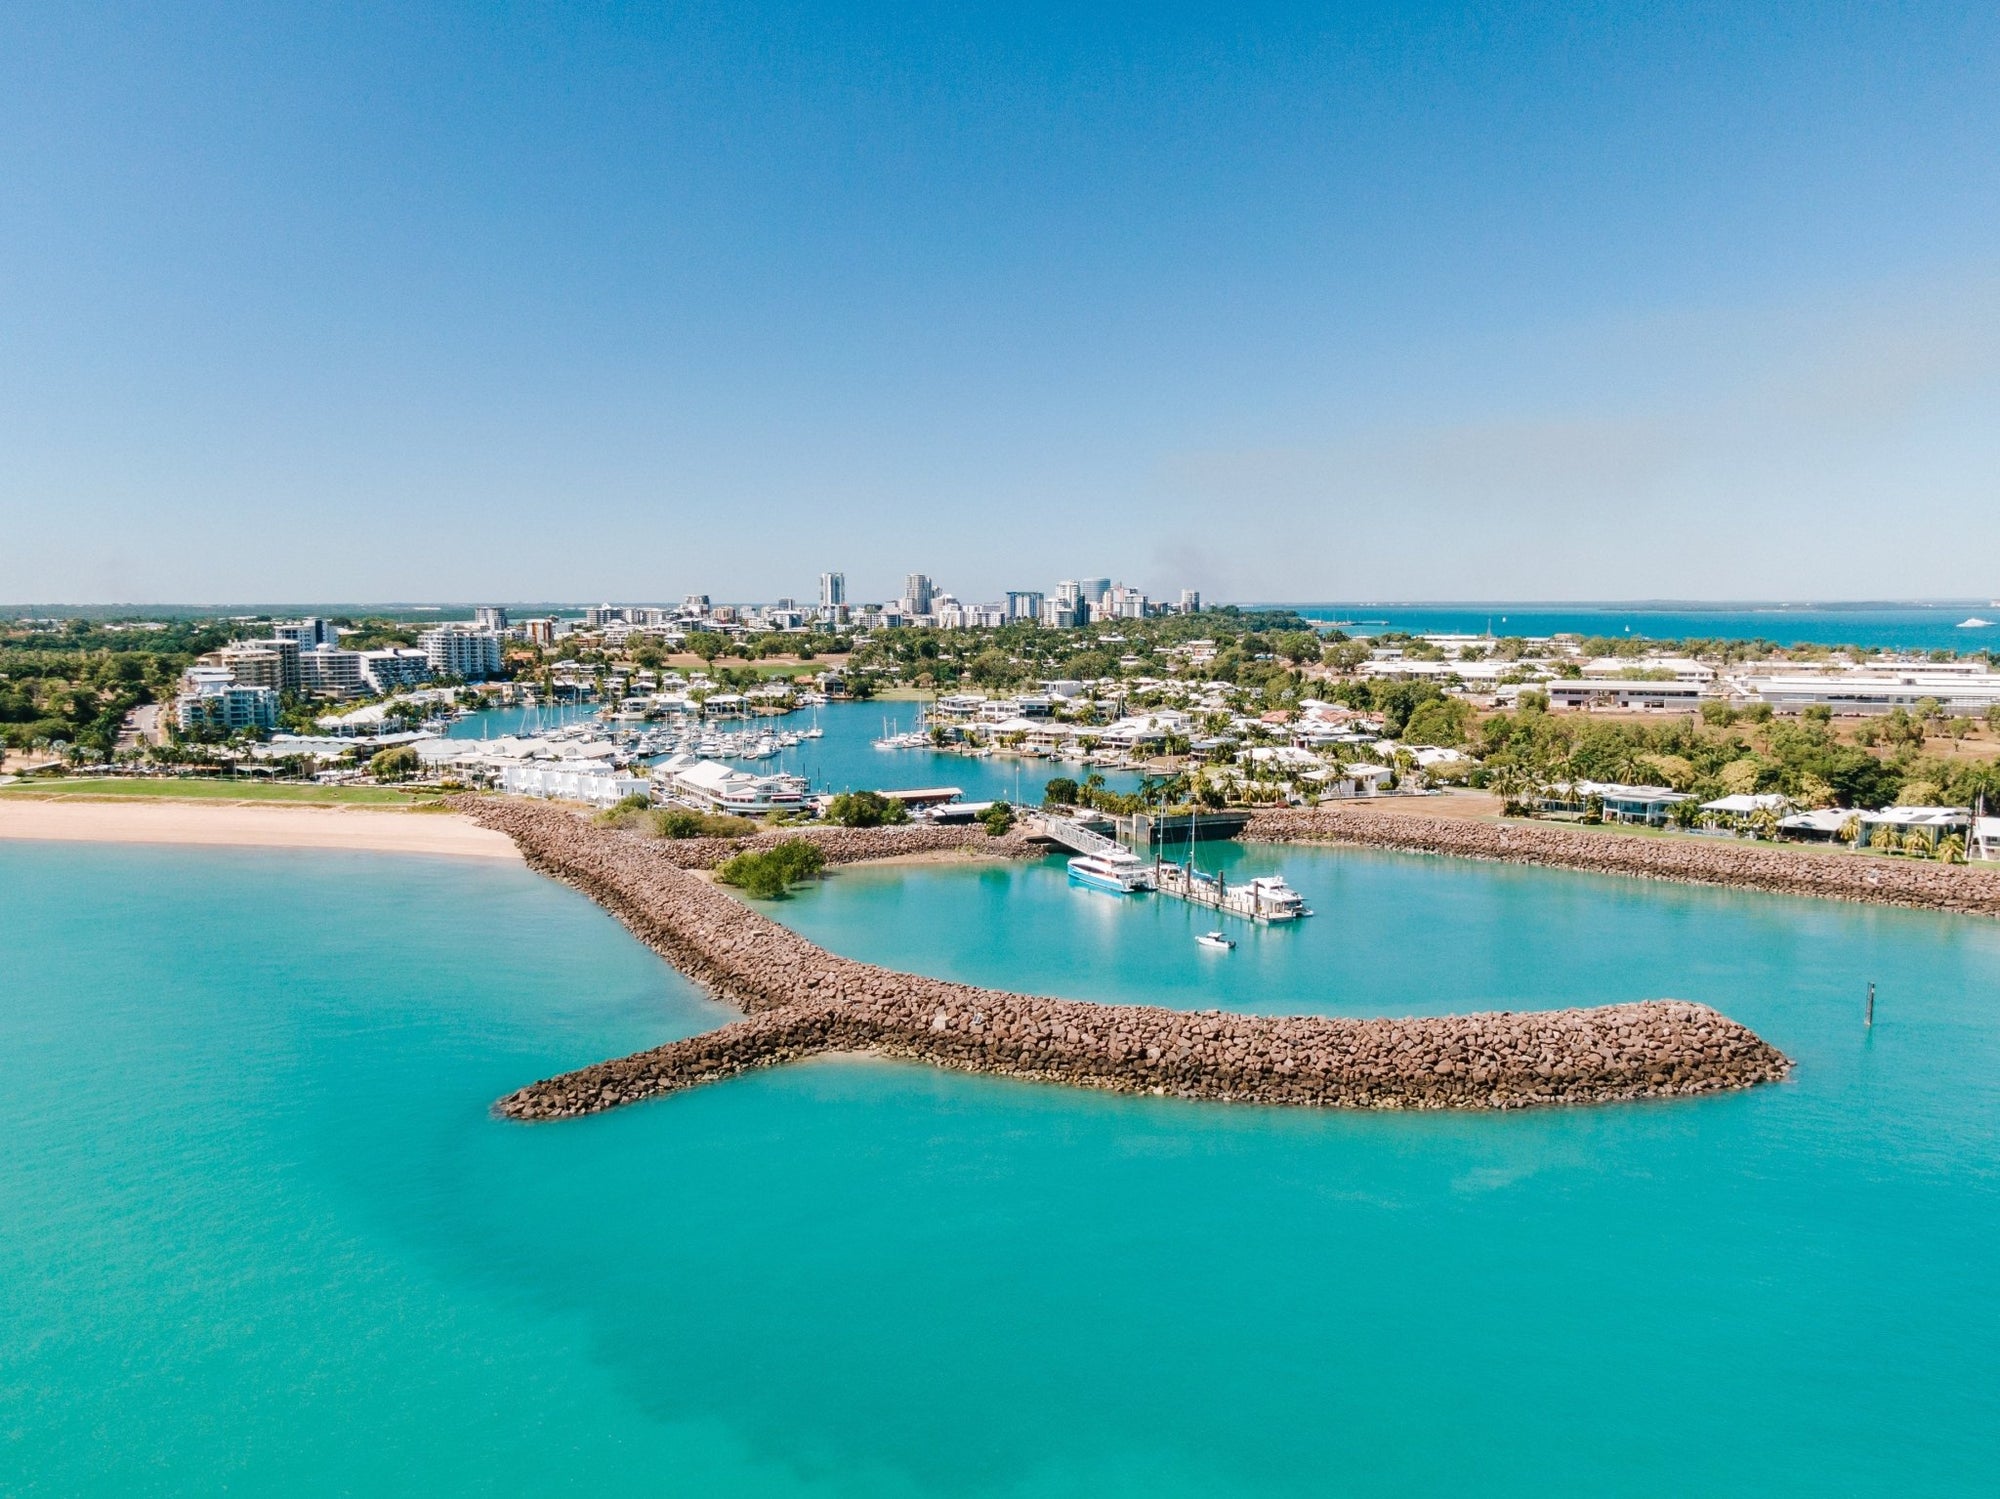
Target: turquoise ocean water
x=1912 y=627
x=258 y=1233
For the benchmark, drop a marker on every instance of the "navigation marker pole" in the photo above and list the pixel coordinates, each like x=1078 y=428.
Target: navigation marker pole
x=1871 y=1003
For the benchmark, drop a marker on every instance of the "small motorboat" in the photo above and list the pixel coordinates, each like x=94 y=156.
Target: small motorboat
x=1215 y=940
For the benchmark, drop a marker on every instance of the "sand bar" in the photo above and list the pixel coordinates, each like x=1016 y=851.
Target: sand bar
x=385 y=830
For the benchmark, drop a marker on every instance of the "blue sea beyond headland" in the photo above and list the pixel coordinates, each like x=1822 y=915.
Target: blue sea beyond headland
x=1888 y=626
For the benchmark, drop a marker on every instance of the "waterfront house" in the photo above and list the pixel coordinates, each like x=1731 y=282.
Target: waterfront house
x=1985 y=841
x=1820 y=825
x=1350 y=781
x=1645 y=806
x=1144 y=730
x=1928 y=825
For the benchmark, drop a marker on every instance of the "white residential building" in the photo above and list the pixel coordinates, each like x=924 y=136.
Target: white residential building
x=1060 y=613
x=212 y=699
x=262 y=663
x=470 y=654
x=385 y=671
x=305 y=633
x=594 y=782
x=329 y=669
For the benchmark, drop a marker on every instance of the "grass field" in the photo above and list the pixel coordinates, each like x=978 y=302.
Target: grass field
x=173 y=788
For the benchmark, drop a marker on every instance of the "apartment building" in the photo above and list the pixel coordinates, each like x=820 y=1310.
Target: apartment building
x=455 y=650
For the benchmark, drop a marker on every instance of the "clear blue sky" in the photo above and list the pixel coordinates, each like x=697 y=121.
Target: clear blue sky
x=423 y=302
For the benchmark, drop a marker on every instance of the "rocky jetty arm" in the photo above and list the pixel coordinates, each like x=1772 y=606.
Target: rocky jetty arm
x=856 y=845
x=802 y=999
x=1701 y=861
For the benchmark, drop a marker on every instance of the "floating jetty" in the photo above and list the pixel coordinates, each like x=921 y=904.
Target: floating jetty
x=1267 y=898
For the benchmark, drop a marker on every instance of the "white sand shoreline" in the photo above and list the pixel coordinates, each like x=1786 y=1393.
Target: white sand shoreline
x=235 y=825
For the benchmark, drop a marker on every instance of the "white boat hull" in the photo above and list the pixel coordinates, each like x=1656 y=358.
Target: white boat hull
x=1114 y=882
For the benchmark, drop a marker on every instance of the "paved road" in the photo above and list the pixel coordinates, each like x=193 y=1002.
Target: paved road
x=142 y=726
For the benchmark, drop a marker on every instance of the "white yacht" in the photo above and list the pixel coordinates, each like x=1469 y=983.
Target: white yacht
x=1271 y=899
x=1119 y=872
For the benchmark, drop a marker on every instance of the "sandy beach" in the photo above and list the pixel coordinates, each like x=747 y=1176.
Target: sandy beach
x=384 y=830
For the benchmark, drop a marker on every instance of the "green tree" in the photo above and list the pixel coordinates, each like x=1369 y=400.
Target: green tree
x=1060 y=791
x=770 y=873
x=685 y=822
x=1297 y=646
x=397 y=764
x=626 y=812
x=1440 y=721
x=866 y=809
x=1345 y=655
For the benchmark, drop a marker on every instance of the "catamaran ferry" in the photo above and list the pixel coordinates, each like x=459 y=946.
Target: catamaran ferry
x=1119 y=872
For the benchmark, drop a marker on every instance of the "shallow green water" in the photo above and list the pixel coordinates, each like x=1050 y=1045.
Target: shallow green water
x=258 y=1232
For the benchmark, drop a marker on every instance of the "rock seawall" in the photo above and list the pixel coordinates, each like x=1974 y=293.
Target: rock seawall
x=802 y=999
x=1701 y=861
x=853 y=845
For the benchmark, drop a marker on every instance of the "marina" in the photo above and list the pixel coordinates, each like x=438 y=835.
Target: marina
x=829 y=746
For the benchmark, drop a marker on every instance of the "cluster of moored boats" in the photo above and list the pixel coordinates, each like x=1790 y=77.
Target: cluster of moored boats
x=656 y=741
x=1266 y=899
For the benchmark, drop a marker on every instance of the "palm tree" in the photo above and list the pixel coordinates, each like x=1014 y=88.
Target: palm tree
x=1405 y=763
x=1951 y=850
x=1850 y=829
x=1515 y=786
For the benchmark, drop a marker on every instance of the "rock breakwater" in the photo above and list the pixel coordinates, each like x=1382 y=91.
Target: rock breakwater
x=1689 y=860
x=853 y=845
x=802 y=1000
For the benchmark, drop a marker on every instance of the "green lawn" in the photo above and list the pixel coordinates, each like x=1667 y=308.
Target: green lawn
x=177 y=789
